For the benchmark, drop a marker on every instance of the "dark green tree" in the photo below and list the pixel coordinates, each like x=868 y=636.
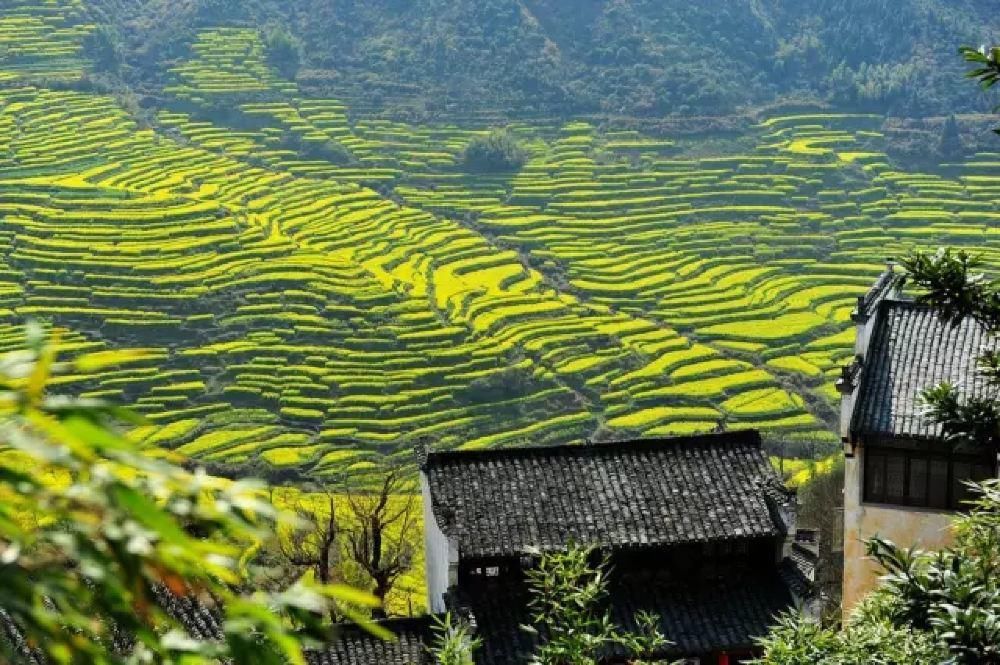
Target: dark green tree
x=284 y=51
x=103 y=47
x=986 y=66
x=496 y=152
x=950 y=145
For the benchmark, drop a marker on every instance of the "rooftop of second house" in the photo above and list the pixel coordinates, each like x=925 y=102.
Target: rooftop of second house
x=698 y=616
x=912 y=349
x=629 y=494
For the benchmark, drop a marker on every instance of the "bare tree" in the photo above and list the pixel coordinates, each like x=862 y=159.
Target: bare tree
x=382 y=533
x=821 y=502
x=315 y=543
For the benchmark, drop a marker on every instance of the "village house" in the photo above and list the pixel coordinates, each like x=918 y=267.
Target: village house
x=699 y=530
x=903 y=480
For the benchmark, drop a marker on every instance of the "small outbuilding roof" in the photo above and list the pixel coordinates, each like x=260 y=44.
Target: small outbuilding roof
x=723 y=614
x=353 y=645
x=349 y=643
x=628 y=494
x=912 y=349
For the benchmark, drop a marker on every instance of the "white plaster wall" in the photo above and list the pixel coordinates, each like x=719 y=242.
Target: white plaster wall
x=436 y=556
x=907 y=527
x=862 y=339
x=847 y=401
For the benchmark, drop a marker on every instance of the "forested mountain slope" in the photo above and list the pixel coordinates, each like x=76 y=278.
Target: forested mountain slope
x=631 y=57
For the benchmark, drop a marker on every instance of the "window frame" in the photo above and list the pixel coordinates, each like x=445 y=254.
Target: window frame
x=928 y=456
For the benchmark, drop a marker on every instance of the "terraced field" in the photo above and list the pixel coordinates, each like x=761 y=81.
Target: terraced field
x=319 y=290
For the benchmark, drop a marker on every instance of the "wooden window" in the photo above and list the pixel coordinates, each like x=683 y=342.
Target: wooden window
x=917 y=481
x=874 y=476
x=937 y=485
x=921 y=478
x=895 y=478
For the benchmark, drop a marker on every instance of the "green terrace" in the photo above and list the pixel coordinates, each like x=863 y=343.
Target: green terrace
x=321 y=288
x=42 y=41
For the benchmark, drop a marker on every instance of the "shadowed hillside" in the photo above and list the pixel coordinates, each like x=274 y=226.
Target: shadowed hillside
x=630 y=57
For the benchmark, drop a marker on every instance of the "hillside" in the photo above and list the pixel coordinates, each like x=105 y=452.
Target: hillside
x=523 y=58
x=316 y=287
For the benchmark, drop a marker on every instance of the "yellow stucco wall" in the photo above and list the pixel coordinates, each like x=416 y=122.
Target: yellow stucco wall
x=907 y=527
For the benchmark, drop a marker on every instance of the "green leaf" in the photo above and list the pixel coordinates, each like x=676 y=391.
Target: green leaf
x=147 y=513
x=351 y=595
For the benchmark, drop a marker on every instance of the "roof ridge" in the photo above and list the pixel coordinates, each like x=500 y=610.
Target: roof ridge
x=906 y=303
x=886 y=286
x=415 y=623
x=729 y=437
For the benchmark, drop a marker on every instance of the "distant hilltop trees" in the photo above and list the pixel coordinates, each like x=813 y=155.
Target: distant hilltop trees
x=637 y=58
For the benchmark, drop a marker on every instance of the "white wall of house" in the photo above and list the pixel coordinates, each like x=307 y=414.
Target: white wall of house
x=847 y=401
x=438 y=556
x=905 y=526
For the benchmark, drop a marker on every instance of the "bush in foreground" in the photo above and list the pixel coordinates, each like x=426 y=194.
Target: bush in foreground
x=931 y=607
x=93 y=530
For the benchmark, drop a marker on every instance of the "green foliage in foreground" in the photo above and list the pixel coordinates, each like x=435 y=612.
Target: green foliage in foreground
x=986 y=66
x=798 y=641
x=941 y=607
x=954 y=287
x=932 y=607
x=569 y=594
x=569 y=615
x=455 y=643
x=497 y=152
x=91 y=528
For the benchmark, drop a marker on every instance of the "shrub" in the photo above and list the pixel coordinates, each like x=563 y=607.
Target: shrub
x=455 y=642
x=931 y=607
x=331 y=151
x=103 y=46
x=801 y=641
x=568 y=609
x=497 y=152
x=950 y=144
x=284 y=51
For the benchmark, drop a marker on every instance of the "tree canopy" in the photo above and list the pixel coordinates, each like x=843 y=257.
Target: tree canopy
x=636 y=58
x=496 y=152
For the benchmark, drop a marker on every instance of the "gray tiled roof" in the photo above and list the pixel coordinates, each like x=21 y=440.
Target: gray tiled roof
x=884 y=288
x=349 y=645
x=911 y=349
x=617 y=495
x=712 y=615
x=13 y=641
x=799 y=571
x=354 y=646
